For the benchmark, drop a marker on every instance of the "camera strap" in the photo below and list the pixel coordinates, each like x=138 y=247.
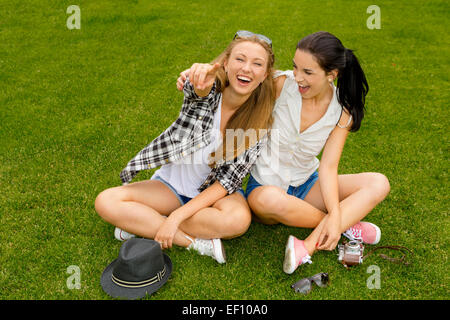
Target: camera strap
x=402 y=260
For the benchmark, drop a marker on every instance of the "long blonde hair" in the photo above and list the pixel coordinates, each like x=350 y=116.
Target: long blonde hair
x=253 y=119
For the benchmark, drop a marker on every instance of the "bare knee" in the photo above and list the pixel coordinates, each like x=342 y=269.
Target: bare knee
x=379 y=184
x=267 y=199
x=268 y=202
x=236 y=221
x=107 y=201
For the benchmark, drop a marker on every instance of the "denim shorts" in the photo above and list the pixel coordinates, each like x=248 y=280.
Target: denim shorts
x=300 y=192
x=183 y=199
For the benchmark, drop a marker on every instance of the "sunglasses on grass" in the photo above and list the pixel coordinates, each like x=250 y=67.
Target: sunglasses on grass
x=248 y=34
x=305 y=285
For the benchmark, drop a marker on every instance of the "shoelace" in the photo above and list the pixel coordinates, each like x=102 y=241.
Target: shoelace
x=355 y=233
x=202 y=247
x=306 y=259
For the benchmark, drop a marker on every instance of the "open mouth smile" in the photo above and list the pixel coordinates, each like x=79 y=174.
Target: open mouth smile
x=303 y=89
x=244 y=80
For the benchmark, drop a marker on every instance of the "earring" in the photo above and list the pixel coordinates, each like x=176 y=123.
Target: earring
x=330 y=79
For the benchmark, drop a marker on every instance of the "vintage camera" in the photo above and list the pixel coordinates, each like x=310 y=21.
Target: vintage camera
x=351 y=253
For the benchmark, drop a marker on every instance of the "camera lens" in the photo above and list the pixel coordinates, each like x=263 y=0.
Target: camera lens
x=352 y=247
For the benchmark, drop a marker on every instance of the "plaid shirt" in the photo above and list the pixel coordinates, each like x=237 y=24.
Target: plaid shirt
x=190 y=132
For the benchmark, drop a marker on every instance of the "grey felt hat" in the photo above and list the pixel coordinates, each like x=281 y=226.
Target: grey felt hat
x=141 y=269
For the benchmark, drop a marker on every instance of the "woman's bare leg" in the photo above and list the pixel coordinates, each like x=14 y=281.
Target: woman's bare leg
x=139 y=208
x=228 y=218
x=359 y=194
x=273 y=205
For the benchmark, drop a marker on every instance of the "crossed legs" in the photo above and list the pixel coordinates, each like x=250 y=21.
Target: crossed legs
x=358 y=195
x=141 y=207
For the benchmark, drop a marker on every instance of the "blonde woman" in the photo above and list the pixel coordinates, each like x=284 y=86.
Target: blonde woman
x=193 y=200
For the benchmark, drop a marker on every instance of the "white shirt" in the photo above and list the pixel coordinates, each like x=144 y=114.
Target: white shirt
x=290 y=157
x=187 y=174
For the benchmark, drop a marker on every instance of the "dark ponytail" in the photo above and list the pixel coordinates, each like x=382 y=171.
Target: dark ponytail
x=352 y=86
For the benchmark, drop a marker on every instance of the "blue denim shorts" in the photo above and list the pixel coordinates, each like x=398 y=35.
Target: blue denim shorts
x=183 y=199
x=300 y=192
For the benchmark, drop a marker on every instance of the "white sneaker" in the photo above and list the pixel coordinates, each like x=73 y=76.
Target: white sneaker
x=122 y=235
x=209 y=247
x=295 y=254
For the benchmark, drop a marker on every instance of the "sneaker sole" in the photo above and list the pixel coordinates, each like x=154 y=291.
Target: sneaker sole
x=219 y=251
x=289 y=265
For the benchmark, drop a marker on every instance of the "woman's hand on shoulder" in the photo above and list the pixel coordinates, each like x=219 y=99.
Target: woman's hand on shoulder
x=279 y=83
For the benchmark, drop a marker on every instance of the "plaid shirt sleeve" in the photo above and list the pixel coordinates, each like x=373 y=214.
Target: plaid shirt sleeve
x=171 y=144
x=231 y=173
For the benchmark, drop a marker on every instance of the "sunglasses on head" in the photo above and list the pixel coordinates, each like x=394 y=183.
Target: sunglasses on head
x=247 y=34
x=305 y=285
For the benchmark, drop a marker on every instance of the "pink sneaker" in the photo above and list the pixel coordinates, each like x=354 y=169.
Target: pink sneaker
x=364 y=231
x=295 y=255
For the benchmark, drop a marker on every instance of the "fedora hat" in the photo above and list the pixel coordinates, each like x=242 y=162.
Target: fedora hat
x=141 y=268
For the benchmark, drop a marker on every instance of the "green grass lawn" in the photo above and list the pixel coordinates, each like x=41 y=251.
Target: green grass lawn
x=76 y=105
